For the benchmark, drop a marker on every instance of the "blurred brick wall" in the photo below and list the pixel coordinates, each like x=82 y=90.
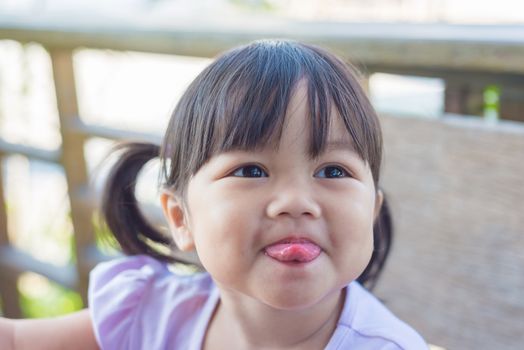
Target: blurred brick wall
x=456 y=272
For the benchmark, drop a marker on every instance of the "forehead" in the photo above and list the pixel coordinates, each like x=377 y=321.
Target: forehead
x=298 y=125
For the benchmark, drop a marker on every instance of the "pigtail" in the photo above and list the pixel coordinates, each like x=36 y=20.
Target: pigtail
x=383 y=237
x=120 y=207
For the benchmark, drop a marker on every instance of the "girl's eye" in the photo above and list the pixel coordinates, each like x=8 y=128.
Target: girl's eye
x=332 y=172
x=250 y=171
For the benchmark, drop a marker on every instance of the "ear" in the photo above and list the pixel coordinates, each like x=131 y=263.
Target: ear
x=177 y=221
x=379 y=199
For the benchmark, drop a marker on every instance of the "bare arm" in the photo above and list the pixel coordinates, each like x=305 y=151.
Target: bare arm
x=6 y=334
x=67 y=332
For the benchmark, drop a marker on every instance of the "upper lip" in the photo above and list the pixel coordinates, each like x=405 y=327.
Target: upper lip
x=294 y=239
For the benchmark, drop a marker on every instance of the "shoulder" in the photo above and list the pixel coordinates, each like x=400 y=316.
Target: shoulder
x=142 y=272
x=365 y=323
x=134 y=300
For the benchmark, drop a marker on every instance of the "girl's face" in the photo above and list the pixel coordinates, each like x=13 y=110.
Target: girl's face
x=241 y=203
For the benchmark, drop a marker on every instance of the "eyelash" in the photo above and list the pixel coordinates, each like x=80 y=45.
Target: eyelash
x=340 y=170
x=260 y=172
x=257 y=172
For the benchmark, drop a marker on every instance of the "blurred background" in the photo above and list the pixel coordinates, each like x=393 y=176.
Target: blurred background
x=447 y=78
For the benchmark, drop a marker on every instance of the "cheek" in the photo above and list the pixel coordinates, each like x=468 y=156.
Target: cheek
x=352 y=227
x=221 y=225
x=356 y=213
x=218 y=218
x=354 y=245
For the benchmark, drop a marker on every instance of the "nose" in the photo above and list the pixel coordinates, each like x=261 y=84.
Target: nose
x=294 y=200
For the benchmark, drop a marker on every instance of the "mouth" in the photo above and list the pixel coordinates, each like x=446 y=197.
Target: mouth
x=293 y=251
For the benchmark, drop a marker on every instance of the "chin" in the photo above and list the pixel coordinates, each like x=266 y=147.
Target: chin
x=296 y=300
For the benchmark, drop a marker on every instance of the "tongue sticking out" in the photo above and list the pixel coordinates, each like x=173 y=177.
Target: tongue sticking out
x=299 y=252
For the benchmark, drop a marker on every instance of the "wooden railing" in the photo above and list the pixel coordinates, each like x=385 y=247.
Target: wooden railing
x=458 y=54
x=467 y=57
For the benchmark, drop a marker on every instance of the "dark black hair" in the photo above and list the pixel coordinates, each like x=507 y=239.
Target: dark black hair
x=240 y=102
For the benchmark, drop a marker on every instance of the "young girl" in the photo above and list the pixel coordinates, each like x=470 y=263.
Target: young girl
x=271 y=166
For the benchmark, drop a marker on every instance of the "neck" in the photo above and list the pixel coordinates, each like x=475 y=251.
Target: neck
x=256 y=325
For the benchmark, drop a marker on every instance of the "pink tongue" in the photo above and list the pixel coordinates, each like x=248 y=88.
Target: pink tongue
x=289 y=252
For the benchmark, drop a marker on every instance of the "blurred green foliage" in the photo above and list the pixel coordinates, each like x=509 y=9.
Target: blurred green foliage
x=492 y=102
x=55 y=301
x=43 y=298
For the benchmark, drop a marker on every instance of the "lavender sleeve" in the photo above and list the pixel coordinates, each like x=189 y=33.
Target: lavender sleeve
x=116 y=291
x=366 y=324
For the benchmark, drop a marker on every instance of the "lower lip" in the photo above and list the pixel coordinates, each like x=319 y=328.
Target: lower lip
x=295 y=264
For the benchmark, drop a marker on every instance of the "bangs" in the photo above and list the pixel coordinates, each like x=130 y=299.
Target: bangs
x=250 y=114
x=240 y=102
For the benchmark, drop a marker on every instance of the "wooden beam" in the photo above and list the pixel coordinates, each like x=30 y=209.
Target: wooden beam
x=73 y=159
x=7 y=148
x=8 y=287
x=9 y=296
x=90 y=130
x=14 y=262
x=4 y=239
x=493 y=48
